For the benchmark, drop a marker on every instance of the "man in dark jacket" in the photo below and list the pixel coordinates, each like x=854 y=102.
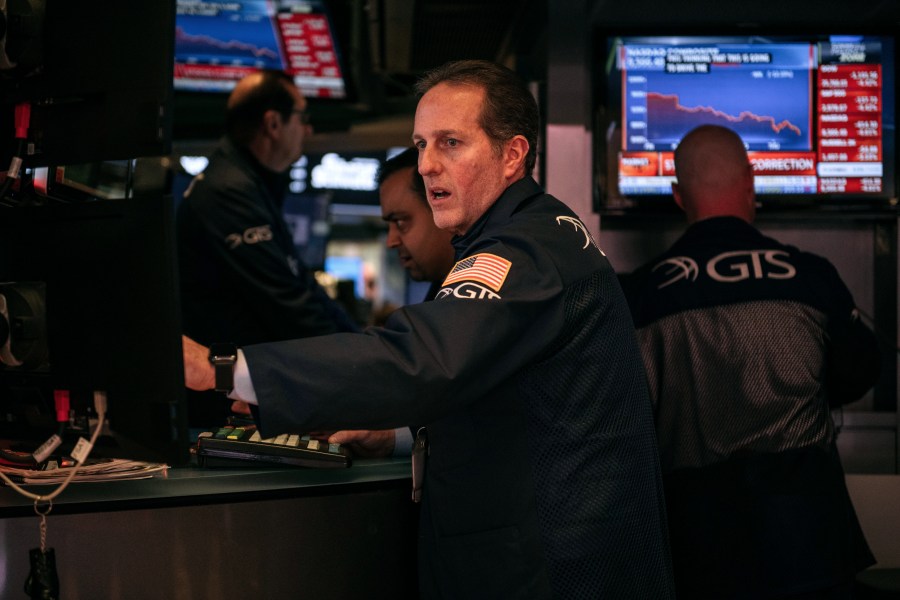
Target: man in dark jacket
x=543 y=478
x=424 y=250
x=241 y=277
x=748 y=343
x=427 y=255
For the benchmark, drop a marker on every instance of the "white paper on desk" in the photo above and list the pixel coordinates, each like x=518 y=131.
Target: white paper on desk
x=113 y=469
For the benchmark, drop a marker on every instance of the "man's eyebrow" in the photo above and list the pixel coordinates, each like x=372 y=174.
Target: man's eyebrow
x=439 y=133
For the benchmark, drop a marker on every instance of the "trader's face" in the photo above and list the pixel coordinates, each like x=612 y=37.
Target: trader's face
x=464 y=174
x=294 y=131
x=424 y=250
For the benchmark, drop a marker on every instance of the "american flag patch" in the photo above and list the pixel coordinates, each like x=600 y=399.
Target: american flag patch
x=488 y=269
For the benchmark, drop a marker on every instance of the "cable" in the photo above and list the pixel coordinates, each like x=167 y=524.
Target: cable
x=100 y=407
x=22 y=122
x=9 y=458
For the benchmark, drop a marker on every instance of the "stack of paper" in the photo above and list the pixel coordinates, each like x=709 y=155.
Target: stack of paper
x=112 y=469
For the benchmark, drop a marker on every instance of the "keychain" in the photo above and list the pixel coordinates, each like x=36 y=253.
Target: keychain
x=43 y=581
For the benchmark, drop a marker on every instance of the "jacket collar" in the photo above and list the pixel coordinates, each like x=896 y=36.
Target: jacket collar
x=276 y=184
x=499 y=212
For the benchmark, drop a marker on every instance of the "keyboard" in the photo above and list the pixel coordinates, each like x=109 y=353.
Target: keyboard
x=243 y=447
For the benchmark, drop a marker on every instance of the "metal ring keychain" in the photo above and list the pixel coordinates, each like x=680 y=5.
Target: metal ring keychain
x=43 y=580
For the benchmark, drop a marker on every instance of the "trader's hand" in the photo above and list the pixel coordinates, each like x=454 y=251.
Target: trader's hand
x=365 y=443
x=241 y=408
x=199 y=374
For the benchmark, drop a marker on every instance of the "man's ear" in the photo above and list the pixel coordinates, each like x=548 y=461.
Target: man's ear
x=676 y=193
x=271 y=122
x=515 y=152
x=750 y=180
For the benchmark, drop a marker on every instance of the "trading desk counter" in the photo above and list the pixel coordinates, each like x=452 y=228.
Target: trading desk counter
x=217 y=533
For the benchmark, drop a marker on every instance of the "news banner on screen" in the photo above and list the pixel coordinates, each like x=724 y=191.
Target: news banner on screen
x=218 y=43
x=810 y=113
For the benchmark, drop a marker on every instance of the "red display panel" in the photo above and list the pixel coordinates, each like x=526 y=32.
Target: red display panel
x=216 y=44
x=816 y=113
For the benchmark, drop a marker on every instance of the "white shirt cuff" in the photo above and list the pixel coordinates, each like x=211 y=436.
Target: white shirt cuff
x=403 y=441
x=243 y=385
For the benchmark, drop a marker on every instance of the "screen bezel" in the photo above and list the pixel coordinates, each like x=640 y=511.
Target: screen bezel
x=198 y=115
x=339 y=28
x=608 y=106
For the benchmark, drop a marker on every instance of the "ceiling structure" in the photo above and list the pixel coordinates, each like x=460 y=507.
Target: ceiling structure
x=409 y=38
x=394 y=42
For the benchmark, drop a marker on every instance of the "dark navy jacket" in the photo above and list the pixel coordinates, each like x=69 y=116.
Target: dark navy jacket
x=748 y=343
x=241 y=278
x=543 y=477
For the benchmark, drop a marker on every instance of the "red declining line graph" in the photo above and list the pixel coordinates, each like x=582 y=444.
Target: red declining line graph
x=181 y=36
x=669 y=103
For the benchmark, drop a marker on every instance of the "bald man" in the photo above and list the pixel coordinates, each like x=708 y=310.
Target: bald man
x=242 y=280
x=715 y=178
x=747 y=343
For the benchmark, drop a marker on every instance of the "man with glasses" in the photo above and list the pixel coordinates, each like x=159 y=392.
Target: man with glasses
x=242 y=280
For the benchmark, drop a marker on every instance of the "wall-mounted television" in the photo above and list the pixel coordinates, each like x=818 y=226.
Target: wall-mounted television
x=218 y=43
x=816 y=113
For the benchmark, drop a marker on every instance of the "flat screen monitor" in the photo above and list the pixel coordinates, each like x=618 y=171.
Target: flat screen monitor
x=90 y=293
x=816 y=114
x=218 y=43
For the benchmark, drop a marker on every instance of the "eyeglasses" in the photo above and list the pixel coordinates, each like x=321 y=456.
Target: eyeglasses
x=302 y=115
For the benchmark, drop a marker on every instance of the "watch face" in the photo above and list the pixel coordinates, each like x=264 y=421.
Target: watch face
x=222 y=351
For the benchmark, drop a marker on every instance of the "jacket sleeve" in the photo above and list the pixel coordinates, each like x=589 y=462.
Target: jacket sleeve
x=853 y=361
x=429 y=360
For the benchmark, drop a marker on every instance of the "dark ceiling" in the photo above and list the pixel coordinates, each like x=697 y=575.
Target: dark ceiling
x=404 y=38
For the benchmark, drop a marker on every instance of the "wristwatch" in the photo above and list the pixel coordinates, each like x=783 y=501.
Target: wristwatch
x=223 y=357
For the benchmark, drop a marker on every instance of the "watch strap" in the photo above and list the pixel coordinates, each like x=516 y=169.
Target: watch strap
x=223 y=358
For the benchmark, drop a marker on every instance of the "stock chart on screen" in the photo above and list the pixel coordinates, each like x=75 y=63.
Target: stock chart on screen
x=816 y=115
x=218 y=43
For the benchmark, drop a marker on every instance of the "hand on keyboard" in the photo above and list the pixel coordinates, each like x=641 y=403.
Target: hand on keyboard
x=236 y=445
x=365 y=443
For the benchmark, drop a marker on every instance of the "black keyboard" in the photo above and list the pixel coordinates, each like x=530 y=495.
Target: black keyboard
x=244 y=447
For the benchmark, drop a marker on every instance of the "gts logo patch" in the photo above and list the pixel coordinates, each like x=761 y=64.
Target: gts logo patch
x=253 y=235
x=468 y=291
x=729 y=267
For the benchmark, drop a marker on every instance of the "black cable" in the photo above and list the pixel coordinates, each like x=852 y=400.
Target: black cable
x=17 y=459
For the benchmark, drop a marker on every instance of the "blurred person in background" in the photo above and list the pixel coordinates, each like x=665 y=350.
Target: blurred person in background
x=242 y=280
